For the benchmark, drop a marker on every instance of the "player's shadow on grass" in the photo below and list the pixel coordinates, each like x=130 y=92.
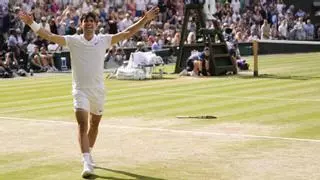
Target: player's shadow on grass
x=131 y=176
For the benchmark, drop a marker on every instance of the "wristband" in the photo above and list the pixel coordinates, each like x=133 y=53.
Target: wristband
x=35 y=27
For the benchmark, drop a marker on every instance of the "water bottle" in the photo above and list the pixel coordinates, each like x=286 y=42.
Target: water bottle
x=64 y=63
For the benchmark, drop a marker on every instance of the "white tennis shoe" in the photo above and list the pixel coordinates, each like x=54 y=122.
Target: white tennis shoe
x=87 y=170
x=92 y=162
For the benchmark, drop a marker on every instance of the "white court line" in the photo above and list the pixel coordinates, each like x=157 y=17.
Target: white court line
x=172 y=130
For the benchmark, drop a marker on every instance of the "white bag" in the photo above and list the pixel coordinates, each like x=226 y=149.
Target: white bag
x=130 y=73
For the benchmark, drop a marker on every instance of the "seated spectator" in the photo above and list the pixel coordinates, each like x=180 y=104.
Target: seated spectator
x=71 y=30
x=11 y=67
x=110 y=56
x=30 y=47
x=120 y=56
x=47 y=60
x=198 y=63
x=176 y=39
x=11 y=61
x=141 y=47
x=130 y=43
x=12 y=41
x=35 y=61
x=44 y=24
x=191 y=38
x=19 y=38
x=155 y=45
x=5 y=72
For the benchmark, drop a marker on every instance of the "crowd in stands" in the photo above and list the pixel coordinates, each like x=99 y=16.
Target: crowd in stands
x=248 y=19
x=267 y=19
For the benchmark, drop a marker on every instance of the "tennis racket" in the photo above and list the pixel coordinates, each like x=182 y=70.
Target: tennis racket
x=198 y=117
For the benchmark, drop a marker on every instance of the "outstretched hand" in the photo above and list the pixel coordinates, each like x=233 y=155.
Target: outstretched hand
x=26 y=18
x=152 y=13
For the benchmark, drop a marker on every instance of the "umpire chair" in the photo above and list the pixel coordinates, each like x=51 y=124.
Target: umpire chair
x=220 y=61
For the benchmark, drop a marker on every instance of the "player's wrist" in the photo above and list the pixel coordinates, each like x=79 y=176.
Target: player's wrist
x=35 y=26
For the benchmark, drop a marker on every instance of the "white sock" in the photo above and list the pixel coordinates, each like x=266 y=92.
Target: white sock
x=86 y=157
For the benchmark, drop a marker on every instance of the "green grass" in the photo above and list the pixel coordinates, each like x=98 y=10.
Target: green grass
x=287 y=92
x=285 y=98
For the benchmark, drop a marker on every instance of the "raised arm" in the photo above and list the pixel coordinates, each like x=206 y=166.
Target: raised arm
x=133 y=29
x=28 y=19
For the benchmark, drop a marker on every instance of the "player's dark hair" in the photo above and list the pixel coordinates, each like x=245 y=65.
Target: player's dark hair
x=85 y=16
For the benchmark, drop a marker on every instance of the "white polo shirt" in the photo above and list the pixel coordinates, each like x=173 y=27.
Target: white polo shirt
x=87 y=60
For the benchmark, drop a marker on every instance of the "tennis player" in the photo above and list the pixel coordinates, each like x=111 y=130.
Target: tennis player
x=87 y=58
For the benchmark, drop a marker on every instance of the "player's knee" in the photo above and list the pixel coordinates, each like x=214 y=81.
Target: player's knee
x=94 y=124
x=83 y=126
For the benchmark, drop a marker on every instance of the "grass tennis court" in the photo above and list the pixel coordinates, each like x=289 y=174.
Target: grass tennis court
x=267 y=127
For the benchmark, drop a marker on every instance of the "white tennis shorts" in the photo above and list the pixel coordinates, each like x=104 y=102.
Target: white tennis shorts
x=89 y=99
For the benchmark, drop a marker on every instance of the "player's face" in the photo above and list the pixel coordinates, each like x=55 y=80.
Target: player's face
x=89 y=25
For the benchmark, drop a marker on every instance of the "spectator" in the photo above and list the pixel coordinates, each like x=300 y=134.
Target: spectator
x=299 y=31
x=280 y=6
x=71 y=29
x=120 y=56
x=300 y=13
x=131 y=6
x=130 y=43
x=176 y=39
x=30 y=47
x=53 y=26
x=236 y=17
x=12 y=41
x=11 y=61
x=5 y=72
x=35 y=61
x=19 y=38
x=309 y=29
x=140 y=7
x=141 y=47
x=191 y=38
x=86 y=7
x=283 y=30
x=235 y=4
x=156 y=45
x=125 y=23
x=113 y=23
x=47 y=60
x=110 y=56
x=274 y=34
x=44 y=23
x=265 y=30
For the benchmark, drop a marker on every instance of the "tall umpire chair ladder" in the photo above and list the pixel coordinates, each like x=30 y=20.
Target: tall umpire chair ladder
x=220 y=61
